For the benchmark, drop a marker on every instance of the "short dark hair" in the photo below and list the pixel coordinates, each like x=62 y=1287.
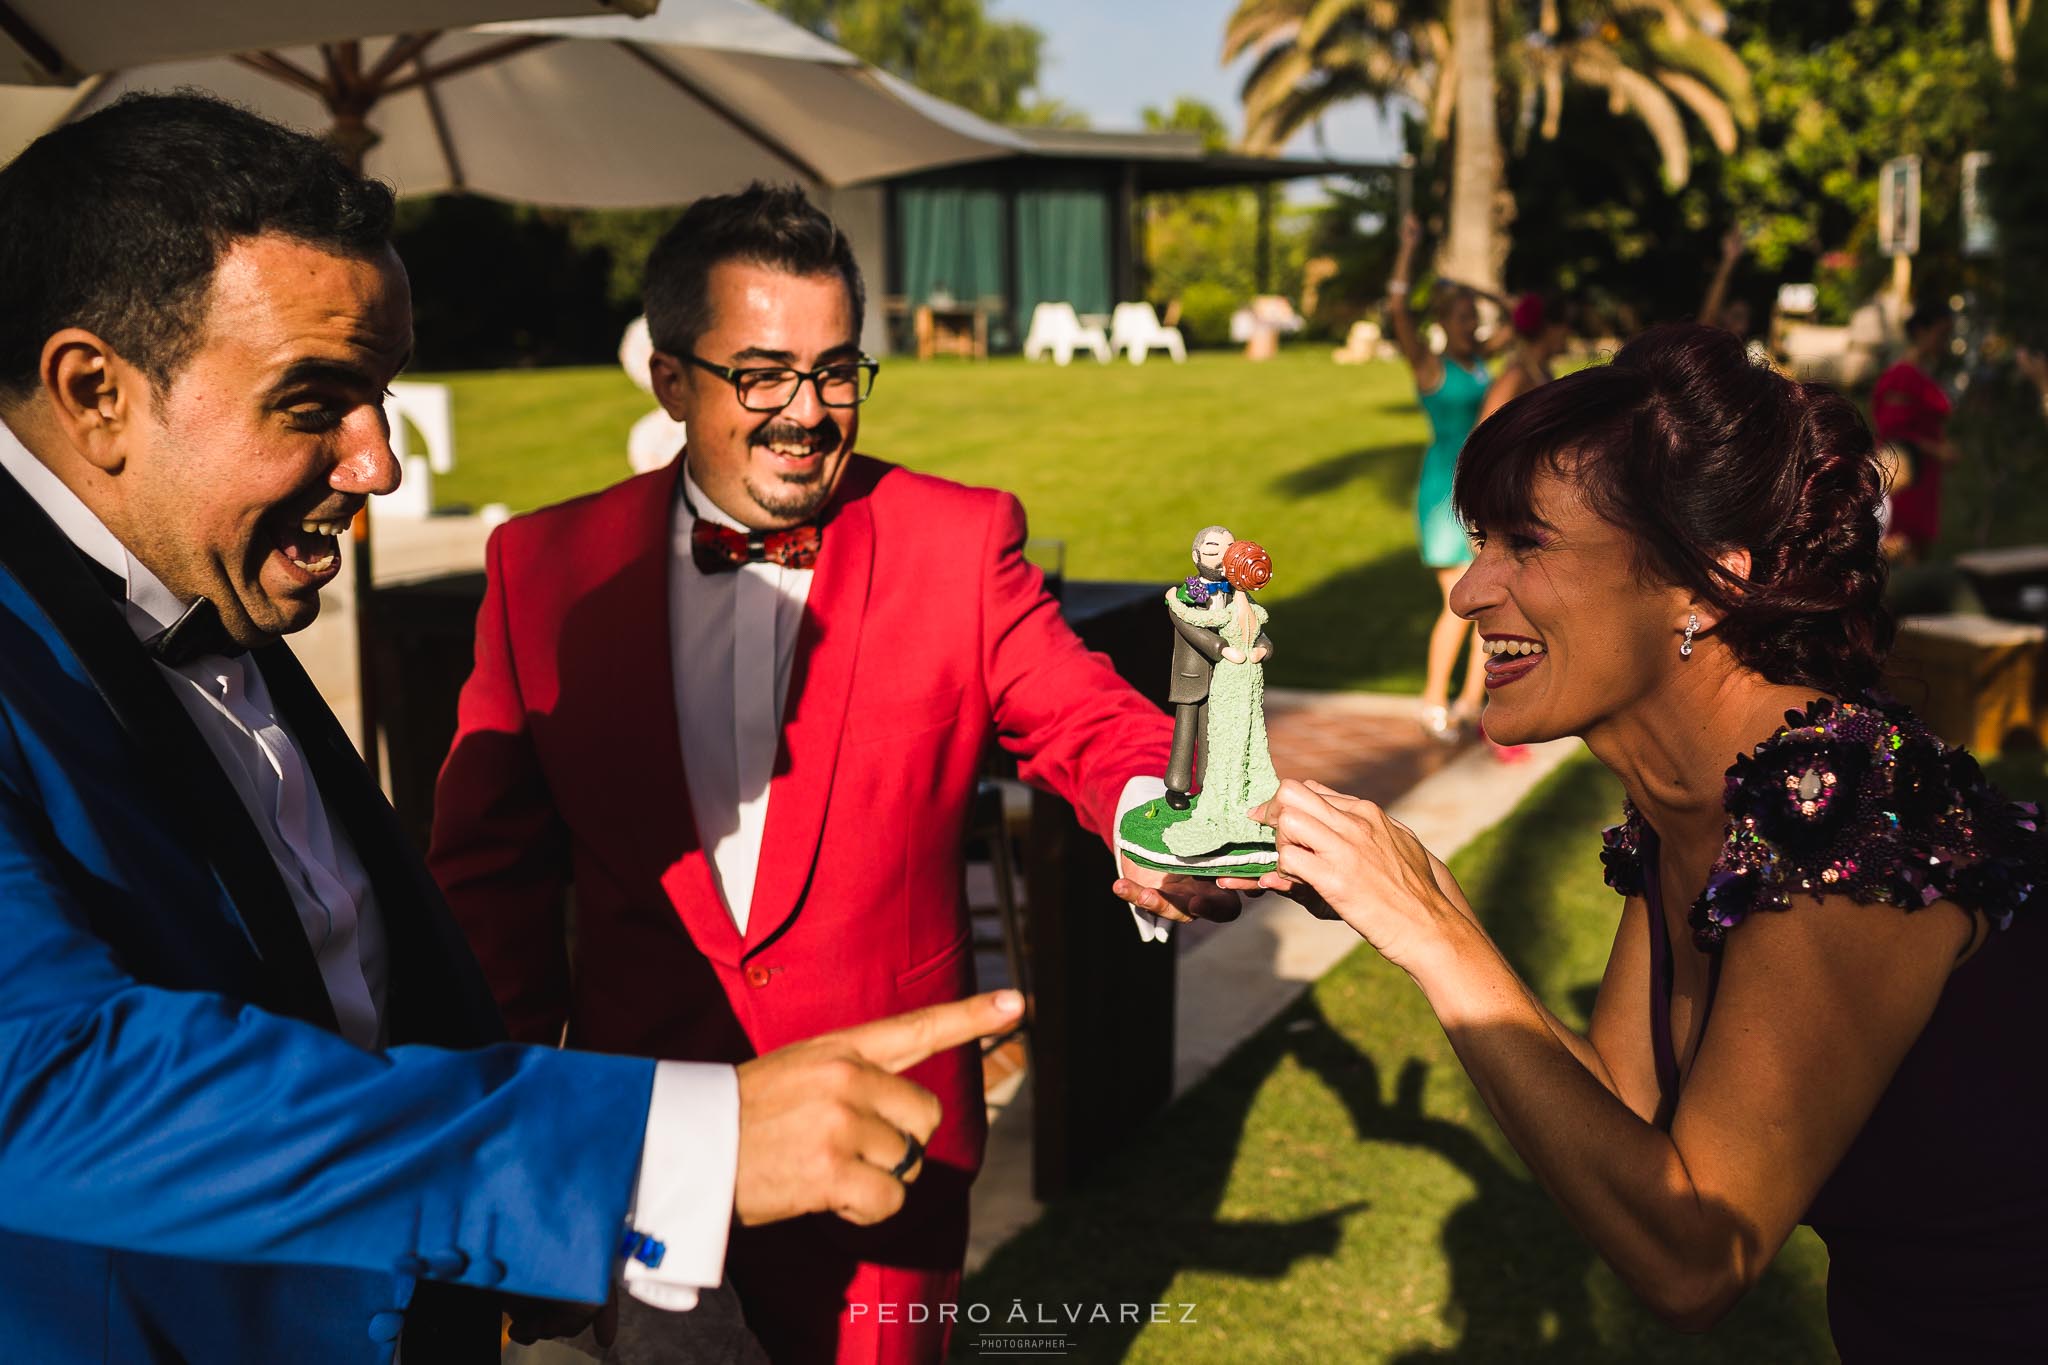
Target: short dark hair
x=1694 y=451
x=767 y=225
x=117 y=222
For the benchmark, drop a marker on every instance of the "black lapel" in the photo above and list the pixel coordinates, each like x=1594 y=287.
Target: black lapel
x=189 y=791
x=436 y=992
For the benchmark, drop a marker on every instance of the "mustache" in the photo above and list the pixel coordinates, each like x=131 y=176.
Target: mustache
x=825 y=434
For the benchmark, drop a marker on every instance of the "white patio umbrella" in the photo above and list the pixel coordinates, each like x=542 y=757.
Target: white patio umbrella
x=60 y=42
x=600 y=112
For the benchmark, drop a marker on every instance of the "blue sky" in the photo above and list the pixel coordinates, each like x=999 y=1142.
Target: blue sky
x=1112 y=58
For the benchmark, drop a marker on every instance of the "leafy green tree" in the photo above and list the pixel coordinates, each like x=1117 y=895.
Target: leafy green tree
x=2019 y=192
x=949 y=48
x=1202 y=246
x=1488 y=75
x=1845 y=85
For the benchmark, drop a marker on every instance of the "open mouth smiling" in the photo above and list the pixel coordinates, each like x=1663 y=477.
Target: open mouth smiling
x=1510 y=658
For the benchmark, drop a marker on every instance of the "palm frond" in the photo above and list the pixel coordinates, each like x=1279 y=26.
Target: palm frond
x=1278 y=70
x=1255 y=23
x=1631 y=92
x=1553 y=95
x=1707 y=106
x=1711 y=62
x=1328 y=17
x=1300 y=106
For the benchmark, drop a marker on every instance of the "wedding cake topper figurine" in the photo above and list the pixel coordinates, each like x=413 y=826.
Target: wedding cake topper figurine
x=1218 y=689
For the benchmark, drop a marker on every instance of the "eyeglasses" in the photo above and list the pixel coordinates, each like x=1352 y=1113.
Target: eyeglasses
x=842 y=384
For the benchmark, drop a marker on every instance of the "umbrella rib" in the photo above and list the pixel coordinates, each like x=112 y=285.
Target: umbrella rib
x=688 y=87
x=483 y=56
x=39 y=49
x=270 y=64
x=405 y=48
x=440 y=119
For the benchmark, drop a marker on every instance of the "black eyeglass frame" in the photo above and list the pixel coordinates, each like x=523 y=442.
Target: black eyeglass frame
x=866 y=365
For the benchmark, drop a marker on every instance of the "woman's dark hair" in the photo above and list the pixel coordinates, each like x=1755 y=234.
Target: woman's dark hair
x=1695 y=452
x=769 y=225
x=115 y=223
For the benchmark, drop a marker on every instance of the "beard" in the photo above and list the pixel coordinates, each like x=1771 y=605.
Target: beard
x=797 y=495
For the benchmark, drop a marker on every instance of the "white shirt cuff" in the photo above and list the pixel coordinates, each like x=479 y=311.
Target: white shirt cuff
x=689 y=1160
x=1137 y=791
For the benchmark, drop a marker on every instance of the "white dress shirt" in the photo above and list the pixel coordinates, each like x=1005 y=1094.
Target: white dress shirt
x=683 y=1194
x=232 y=710
x=733 y=639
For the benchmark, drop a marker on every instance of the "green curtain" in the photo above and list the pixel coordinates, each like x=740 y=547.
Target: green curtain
x=952 y=239
x=1062 y=250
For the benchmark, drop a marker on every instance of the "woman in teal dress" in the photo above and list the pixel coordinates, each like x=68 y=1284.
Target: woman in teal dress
x=1451 y=388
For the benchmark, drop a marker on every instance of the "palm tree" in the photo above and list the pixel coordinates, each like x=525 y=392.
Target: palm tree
x=1483 y=70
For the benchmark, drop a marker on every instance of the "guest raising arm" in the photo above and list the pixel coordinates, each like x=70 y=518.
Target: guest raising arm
x=1450 y=389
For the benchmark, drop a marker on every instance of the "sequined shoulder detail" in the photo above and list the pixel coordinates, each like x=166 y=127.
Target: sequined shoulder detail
x=1855 y=798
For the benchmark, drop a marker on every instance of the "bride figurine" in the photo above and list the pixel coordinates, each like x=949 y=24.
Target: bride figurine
x=1218 y=696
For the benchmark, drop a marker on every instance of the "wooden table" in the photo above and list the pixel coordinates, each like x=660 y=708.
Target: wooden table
x=952 y=329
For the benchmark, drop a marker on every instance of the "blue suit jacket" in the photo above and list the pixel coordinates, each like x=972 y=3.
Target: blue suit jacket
x=193 y=1165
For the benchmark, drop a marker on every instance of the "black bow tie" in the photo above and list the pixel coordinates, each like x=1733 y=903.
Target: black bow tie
x=197 y=633
x=194 y=635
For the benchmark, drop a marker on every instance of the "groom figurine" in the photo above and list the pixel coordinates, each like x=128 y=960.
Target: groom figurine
x=739 y=706
x=1196 y=650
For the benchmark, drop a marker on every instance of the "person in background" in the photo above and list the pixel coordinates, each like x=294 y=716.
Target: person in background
x=1450 y=388
x=1542 y=332
x=1910 y=408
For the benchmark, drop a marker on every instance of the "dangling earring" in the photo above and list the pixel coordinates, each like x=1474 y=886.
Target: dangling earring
x=1692 y=623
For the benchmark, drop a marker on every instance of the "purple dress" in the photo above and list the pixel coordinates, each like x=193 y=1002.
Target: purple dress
x=1936 y=1220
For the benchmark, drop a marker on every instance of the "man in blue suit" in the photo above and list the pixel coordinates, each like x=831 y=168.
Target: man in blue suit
x=252 y=1102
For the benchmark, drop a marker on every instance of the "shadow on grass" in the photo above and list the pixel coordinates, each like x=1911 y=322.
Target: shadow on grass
x=1391 y=467
x=1522 y=1285
x=1375 y=620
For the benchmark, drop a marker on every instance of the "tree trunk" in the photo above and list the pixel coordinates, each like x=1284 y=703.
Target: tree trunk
x=1475 y=248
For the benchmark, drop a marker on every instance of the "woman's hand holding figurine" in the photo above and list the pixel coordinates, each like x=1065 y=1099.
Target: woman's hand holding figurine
x=1345 y=858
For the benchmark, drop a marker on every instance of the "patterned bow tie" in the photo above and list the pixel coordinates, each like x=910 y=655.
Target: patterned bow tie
x=721 y=549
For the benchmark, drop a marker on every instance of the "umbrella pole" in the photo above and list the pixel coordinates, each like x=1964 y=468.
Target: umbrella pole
x=366 y=676
x=348 y=140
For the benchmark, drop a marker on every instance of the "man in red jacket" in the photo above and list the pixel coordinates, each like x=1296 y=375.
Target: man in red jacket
x=739 y=704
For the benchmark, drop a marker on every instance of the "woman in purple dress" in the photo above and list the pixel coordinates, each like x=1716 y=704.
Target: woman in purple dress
x=1821 y=1003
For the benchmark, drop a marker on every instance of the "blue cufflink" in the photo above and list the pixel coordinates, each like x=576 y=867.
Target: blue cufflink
x=638 y=1246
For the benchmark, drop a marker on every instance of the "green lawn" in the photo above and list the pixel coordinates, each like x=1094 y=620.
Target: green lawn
x=1124 y=464
x=1337 y=1191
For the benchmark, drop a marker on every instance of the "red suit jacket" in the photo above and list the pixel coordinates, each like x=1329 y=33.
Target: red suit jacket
x=925 y=632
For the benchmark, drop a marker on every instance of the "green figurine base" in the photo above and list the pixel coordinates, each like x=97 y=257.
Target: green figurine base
x=1142 y=838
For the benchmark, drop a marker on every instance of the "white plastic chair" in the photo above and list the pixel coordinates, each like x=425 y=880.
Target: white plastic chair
x=1056 y=328
x=1361 y=343
x=429 y=409
x=1135 y=328
x=656 y=438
